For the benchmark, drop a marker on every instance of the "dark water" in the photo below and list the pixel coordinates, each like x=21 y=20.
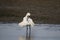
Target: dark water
x=11 y=31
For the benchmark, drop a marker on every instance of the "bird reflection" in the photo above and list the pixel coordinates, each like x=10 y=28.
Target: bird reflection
x=24 y=38
x=21 y=38
x=28 y=38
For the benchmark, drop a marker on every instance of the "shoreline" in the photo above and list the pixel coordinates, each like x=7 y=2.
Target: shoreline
x=37 y=20
x=19 y=22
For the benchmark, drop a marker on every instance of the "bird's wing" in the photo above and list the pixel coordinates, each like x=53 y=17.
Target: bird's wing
x=23 y=23
x=31 y=22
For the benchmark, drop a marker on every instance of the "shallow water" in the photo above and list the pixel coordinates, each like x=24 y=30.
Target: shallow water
x=11 y=31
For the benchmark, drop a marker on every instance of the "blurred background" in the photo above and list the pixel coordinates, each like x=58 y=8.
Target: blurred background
x=42 y=11
x=45 y=14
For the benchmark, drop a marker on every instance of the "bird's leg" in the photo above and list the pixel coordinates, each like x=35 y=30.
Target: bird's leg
x=26 y=31
x=29 y=31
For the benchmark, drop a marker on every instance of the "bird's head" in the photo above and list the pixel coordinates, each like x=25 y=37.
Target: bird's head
x=28 y=14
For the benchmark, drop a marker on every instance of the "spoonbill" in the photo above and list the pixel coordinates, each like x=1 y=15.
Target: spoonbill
x=28 y=22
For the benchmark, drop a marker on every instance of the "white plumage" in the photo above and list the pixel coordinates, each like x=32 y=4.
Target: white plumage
x=26 y=21
x=30 y=22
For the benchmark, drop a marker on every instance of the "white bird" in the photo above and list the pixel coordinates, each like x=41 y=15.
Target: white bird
x=27 y=21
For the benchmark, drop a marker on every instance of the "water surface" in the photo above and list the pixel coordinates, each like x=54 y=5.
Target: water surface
x=11 y=31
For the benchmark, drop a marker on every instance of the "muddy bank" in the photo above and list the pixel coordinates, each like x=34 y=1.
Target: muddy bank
x=42 y=11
